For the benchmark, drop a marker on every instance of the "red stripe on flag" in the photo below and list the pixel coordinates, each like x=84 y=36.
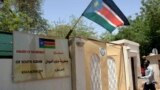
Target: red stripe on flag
x=49 y=43
x=110 y=16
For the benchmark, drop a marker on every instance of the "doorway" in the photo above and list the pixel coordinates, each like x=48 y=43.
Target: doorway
x=133 y=73
x=159 y=66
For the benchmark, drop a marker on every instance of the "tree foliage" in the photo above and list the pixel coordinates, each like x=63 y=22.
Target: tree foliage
x=107 y=36
x=13 y=18
x=145 y=28
x=151 y=10
x=81 y=29
x=33 y=9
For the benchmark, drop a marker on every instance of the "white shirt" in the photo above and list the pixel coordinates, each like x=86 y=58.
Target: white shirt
x=149 y=75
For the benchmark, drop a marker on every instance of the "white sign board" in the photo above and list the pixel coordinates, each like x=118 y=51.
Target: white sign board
x=37 y=57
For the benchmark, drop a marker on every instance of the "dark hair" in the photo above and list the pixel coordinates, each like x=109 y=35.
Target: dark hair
x=147 y=61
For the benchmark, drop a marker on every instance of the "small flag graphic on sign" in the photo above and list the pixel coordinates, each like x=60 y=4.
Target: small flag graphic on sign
x=46 y=43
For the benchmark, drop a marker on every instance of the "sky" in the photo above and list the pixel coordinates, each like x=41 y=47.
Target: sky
x=62 y=10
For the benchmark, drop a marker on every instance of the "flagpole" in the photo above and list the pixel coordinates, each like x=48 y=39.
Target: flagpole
x=71 y=30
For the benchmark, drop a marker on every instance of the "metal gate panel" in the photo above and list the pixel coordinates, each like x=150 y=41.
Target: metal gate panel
x=95 y=65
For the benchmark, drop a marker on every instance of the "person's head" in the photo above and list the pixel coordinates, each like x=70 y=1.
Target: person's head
x=144 y=57
x=146 y=63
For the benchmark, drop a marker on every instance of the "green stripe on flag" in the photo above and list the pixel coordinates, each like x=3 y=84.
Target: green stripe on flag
x=47 y=46
x=101 y=21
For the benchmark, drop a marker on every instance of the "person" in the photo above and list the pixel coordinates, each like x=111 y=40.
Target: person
x=149 y=77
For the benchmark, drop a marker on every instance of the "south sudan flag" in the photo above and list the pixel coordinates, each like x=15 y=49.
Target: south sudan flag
x=105 y=13
x=46 y=43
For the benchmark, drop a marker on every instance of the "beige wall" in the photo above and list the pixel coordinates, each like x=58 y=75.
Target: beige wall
x=116 y=52
x=81 y=60
x=78 y=64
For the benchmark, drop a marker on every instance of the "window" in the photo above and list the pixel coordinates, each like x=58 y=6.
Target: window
x=112 y=74
x=95 y=73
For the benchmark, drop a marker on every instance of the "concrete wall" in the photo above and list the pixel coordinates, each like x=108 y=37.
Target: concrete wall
x=78 y=64
x=49 y=84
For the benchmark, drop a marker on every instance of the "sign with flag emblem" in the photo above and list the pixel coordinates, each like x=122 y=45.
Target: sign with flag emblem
x=36 y=57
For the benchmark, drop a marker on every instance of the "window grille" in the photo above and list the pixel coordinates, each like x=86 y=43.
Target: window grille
x=112 y=74
x=95 y=73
